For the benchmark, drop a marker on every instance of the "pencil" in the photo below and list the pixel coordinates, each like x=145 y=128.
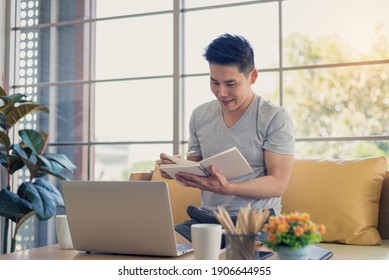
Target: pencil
x=184 y=154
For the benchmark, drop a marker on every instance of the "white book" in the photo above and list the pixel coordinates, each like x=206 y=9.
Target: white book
x=230 y=163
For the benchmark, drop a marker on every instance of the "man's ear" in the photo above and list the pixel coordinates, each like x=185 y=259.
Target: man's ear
x=253 y=75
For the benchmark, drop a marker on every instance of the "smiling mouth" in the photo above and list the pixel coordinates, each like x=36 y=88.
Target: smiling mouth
x=226 y=102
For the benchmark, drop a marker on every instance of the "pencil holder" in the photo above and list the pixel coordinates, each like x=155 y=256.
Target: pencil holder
x=241 y=246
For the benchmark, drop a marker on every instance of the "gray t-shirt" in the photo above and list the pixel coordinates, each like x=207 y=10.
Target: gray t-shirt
x=263 y=126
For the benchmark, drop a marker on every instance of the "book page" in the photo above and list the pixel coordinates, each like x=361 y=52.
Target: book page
x=230 y=163
x=173 y=169
x=179 y=160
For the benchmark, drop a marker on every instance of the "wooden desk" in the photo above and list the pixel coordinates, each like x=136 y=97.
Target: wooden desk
x=53 y=252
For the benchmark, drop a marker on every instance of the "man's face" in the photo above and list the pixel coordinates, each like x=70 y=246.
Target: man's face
x=231 y=88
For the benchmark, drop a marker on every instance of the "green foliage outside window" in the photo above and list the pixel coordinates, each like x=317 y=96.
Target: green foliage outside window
x=347 y=101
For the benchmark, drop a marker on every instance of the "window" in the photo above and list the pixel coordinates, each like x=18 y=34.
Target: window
x=109 y=70
x=335 y=62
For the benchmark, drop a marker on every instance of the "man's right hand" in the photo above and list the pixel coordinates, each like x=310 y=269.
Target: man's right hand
x=163 y=159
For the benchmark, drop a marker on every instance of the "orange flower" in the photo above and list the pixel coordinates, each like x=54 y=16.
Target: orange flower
x=272 y=238
x=305 y=217
x=292 y=217
x=312 y=227
x=298 y=230
x=295 y=230
x=321 y=229
x=283 y=227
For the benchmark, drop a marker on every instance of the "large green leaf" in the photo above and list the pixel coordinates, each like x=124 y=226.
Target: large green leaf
x=41 y=171
x=10 y=101
x=42 y=199
x=37 y=165
x=25 y=157
x=50 y=164
x=3 y=160
x=15 y=98
x=57 y=196
x=17 y=113
x=49 y=167
x=12 y=206
x=44 y=162
x=4 y=139
x=18 y=149
x=33 y=139
x=29 y=159
x=62 y=160
x=31 y=165
x=3 y=121
x=2 y=92
x=13 y=162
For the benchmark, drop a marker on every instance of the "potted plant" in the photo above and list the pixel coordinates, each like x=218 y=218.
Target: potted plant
x=37 y=193
x=291 y=234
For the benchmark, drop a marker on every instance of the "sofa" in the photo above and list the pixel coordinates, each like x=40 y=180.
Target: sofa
x=350 y=197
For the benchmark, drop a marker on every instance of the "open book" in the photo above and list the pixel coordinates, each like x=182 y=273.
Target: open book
x=230 y=163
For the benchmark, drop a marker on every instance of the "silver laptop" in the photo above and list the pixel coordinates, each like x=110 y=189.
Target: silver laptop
x=132 y=217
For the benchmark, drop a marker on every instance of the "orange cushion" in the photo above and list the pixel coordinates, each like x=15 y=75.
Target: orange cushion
x=343 y=195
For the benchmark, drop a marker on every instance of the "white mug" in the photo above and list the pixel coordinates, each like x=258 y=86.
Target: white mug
x=206 y=241
x=63 y=232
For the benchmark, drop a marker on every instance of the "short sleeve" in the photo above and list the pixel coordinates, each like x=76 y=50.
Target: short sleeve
x=280 y=134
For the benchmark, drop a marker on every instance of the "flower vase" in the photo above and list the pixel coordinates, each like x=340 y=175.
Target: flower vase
x=287 y=253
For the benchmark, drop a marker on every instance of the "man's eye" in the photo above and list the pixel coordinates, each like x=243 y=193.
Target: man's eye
x=230 y=85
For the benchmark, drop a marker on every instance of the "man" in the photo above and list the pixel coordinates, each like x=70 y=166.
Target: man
x=262 y=132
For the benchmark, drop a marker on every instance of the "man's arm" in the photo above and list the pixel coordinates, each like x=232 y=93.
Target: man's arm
x=279 y=168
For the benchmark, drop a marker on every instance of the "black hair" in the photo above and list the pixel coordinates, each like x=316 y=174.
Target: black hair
x=230 y=49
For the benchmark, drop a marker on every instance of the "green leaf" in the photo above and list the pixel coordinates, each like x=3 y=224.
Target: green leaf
x=40 y=183
x=16 y=165
x=31 y=165
x=42 y=199
x=33 y=139
x=17 y=113
x=44 y=162
x=49 y=167
x=3 y=121
x=28 y=158
x=15 y=98
x=37 y=170
x=2 y=92
x=15 y=162
x=20 y=151
x=12 y=206
x=50 y=164
x=62 y=160
x=3 y=160
x=4 y=139
x=41 y=171
x=10 y=101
